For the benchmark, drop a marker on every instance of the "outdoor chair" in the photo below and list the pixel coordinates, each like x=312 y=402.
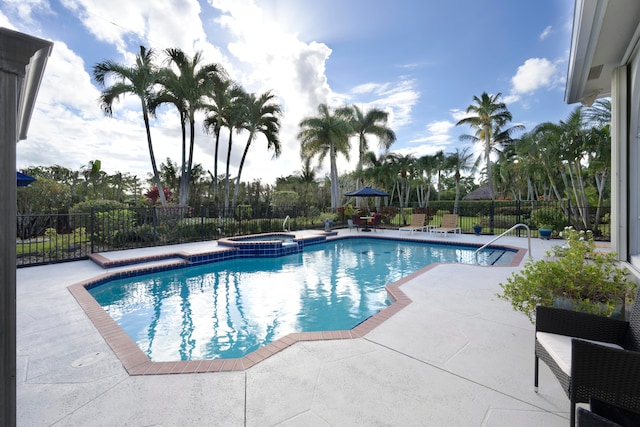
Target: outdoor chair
x=417 y=224
x=593 y=357
x=355 y=221
x=448 y=225
x=375 y=222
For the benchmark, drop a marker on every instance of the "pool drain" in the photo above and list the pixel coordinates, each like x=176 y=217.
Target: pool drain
x=87 y=360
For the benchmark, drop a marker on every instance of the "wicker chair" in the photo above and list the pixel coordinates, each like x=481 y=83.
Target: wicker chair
x=608 y=370
x=589 y=419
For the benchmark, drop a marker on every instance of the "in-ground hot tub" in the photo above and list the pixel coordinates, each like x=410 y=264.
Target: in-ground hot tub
x=269 y=244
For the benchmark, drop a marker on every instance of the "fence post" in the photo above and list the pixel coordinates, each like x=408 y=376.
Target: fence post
x=202 y=224
x=92 y=228
x=518 y=219
x=491 y=216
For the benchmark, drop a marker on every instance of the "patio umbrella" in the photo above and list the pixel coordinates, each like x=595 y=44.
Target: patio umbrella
x=367 y=192
x=24 y=180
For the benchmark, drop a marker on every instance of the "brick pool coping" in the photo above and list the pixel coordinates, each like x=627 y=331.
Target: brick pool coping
x=136 y=362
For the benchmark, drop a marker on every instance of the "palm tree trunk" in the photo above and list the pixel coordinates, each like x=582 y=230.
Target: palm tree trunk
x=226 y=177
x=154 y=167
x=456 y=202
x=487 y=158
x=335 y=189
x=183 y=170
x=186 y=181
x=215 y=166
x=244 y=156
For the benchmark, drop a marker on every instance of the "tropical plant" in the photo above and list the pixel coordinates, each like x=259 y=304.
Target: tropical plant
x=487 y=116
x=327 y=134
x=233 y=117
x=374 y=123
x=404 y=169
x=262 y=117
x=185 y=84
x=426 y=167
x=138 y=80
x=221 y=95
x=458 y=161
x=577 y=276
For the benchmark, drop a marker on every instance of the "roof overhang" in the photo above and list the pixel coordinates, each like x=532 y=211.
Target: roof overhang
x=16 y=50
x=605 y=34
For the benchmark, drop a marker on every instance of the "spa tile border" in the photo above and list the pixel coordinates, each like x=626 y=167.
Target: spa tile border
x=136 y=362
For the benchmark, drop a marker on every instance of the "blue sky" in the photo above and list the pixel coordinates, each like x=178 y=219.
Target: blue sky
x=423 y=62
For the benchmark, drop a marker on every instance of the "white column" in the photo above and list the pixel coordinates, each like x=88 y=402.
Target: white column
x=22 y=62
x=619 y=161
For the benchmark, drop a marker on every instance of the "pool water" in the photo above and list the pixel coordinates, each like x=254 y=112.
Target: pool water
x=231 y=308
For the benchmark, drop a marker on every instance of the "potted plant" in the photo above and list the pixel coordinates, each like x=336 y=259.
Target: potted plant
x=547 y=220
x=573 y=276
x=327 y=219
x=545 y=231
x=477 y=227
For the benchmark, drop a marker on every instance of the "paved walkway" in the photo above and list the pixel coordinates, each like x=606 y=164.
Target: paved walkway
x=456 y=356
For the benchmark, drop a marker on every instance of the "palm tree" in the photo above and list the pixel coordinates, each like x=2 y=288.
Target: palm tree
x=327 y=134
x=138 y=80
x=233 y=118
x=458 y=161
x=404 y=169
x=374 y=122
x=186 y=90
x=487 y=114
x=214 y=122
x=262 y=116
x=426 y=165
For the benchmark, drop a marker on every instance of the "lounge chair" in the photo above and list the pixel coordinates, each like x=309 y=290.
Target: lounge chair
x=593 y=357
x=417 y=224
x=448 y=225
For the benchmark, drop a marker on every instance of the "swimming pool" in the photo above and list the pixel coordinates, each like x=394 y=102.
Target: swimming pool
x=231 y=308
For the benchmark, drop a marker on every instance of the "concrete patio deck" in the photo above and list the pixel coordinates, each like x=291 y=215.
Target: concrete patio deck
x=456 y=356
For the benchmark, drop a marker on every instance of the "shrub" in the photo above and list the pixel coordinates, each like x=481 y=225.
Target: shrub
x=97 y=205
x=109 y=224
x=548 y=217
x=592 y=281
x=50 y=233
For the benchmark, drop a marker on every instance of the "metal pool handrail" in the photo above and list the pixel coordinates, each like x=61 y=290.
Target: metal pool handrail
x=508 y=231
x=285 y=223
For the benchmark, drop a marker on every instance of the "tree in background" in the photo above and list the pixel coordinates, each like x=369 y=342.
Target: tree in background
x=486 y=115
x=262 y=117
x=327 y=134
x=371 y=123
x=138 y=80
x=458 y=162
x=185 y=83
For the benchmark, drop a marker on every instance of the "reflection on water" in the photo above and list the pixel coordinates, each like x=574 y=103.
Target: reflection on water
x=231 y=308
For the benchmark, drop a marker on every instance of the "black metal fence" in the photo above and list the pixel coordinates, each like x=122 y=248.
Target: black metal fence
x=44 y=239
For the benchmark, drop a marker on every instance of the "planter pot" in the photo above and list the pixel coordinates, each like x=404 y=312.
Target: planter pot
x=477 y=229
x=618 y=312
x=545 y=233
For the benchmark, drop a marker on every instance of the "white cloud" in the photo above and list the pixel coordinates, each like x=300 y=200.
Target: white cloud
x=441 y=127
x=459 y=114
x=25 y=8
x=546 y=32
x=115 y=21
x=534 y=74
x=69 y=129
